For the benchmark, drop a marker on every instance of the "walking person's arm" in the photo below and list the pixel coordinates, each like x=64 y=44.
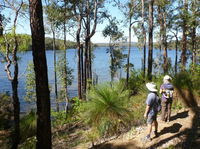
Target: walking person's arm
x=146 y=111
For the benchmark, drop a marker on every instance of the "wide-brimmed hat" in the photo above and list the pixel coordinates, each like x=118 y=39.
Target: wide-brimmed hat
x=151 y=87
x=167 y=77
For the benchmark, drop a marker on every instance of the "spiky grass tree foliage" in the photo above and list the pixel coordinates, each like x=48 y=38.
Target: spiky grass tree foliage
x=106 y=109
x=28 y=126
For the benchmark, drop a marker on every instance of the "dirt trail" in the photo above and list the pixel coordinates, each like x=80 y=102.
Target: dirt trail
x=183 y=131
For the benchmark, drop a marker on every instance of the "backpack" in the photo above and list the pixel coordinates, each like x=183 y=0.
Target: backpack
x=168 y=93
x=159 y=105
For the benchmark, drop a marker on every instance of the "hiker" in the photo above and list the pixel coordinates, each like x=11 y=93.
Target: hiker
x=166 y=90
x=152 y=105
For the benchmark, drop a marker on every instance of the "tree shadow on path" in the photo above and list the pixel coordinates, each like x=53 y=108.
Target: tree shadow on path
x=190 y=137
x=172 y=129
x=120 y=146
x=179 y=115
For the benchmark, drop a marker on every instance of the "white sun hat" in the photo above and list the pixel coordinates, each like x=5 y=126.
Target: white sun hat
x=167 y=77
x=151 y=87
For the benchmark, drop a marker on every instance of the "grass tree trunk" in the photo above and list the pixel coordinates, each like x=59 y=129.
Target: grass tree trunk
x=40 y=67
x=150 y=52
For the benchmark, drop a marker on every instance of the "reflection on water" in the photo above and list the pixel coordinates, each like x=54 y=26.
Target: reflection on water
x=100 y=66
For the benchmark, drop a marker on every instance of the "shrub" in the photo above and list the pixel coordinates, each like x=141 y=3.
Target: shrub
x=28 y=126
x=6 y=111
x=135 y=83
x=106 y=109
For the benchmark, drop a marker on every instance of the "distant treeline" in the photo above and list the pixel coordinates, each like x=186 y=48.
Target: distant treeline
x=25 y=43
x=59 y=44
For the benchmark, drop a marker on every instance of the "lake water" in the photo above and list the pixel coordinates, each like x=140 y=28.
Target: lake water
x=100 y=66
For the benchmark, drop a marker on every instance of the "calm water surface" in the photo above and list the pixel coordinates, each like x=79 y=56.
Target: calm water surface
x=100 y=66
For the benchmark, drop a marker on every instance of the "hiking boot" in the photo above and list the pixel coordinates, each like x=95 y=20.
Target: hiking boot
x=147 y=138
x=155 y=134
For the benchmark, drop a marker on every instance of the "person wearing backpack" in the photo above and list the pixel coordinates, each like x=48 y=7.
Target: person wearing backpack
x=152 y=108
x=166 y=90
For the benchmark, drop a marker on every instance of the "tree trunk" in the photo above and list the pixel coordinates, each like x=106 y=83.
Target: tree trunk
x=16 y=104
x=40 y=67
x=65 y=63
x=1 y=25
x=165 y=42
x=144 y=40
x=129 y=51
x=184 y=38
x=194 y=26
x=161 y=27
x=82 y=69
x=90 y=61
x=80 y=59
x=176 y=57
x=150 y=52
x=55 y=71
x=85 y=69
x=79 y=73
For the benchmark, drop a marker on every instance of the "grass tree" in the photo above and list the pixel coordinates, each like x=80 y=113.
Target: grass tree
x=106 y=109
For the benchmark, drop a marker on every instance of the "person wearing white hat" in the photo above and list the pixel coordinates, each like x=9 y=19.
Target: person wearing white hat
x=167 y=91
x=152 y=105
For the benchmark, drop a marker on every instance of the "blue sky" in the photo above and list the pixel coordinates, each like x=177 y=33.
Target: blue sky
x=24 y=25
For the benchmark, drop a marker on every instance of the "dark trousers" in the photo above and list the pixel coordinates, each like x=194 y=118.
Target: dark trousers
x=166 y=110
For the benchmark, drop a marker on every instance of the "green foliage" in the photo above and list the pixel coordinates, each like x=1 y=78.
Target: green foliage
x=106 y=109
x=28 y=126
x=60 y=118
x=63 y=66
x=30 y=143
x=30 y=84
x=177 y=104
x=112 y=30
x=6 y=111
x=137 y=107
x=59 y=44
x=135 y=82
x=65 y=76
x=116 y=36
x=24 y=42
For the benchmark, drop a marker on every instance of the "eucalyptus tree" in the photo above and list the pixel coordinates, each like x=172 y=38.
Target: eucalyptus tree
x=166 y=12
x=194 y=23
x=150 y=46
x=1 y=24
x=128 y=9
x=53 y=15
x=41 y=77
x=67 y=14
x=144 y=37
x=11 y=48
x=87 y=14
x=184 y=36
x=115 y=36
